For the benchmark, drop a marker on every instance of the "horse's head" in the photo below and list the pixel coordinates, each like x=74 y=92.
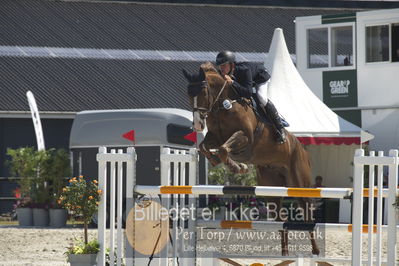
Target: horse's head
x=204 y=89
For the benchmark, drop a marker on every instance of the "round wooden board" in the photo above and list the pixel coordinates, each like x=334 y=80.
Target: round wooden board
x=146 y=232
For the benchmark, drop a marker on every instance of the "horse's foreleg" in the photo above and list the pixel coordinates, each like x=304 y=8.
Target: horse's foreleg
x=210 y=142
x=236 y=143
x=212 y=158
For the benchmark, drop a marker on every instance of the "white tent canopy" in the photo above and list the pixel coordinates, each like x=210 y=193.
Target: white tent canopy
x=309 y=118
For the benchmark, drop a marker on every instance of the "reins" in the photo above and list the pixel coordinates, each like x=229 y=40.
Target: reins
x=217 y=98
x=205 y=112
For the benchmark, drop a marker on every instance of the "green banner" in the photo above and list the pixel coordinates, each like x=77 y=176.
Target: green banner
x=340 y=88
x=353 y=116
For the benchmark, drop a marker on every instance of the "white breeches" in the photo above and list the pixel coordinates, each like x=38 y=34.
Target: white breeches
x=261 y=91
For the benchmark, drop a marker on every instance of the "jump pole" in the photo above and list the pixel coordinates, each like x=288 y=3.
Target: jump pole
x=337 y=193
x=275 y=225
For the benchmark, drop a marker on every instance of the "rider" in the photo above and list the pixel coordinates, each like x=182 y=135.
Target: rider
x=246 y=78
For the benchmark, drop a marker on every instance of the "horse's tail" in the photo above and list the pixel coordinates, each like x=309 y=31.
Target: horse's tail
x=300 y=167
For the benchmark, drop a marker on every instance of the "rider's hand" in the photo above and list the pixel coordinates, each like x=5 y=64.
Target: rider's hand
x=228 y=79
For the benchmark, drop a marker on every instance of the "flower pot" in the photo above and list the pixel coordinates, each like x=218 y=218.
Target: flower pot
x=24 y=216
x=82 y=259
x=58 y=217
x=40 y=217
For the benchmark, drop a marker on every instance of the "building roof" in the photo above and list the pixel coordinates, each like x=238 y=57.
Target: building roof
x=63 y=84
x=147 y=26
x=87 y=84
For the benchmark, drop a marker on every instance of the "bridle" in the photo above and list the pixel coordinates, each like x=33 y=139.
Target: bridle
x=203 y=111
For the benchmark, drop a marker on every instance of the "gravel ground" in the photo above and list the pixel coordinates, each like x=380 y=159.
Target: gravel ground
x=43 y=246
x=37 y=246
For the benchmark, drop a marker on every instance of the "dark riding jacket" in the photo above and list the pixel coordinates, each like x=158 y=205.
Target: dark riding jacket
x=247 y=75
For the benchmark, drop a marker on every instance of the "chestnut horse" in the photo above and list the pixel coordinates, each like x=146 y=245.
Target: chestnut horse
x=236 y=137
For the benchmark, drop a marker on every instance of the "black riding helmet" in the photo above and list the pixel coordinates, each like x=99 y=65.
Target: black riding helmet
x=225 y=57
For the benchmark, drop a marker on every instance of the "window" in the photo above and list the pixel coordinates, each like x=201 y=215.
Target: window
x=341 y=46
x=318 y=48
x=395 y=42
x=330 y=46
x=382 y=43
x=377 y=43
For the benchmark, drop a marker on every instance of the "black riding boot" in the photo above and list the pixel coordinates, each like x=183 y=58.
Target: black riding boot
x=276 y=120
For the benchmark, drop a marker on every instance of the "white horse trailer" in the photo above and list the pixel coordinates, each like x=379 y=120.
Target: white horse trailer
x=148 y=130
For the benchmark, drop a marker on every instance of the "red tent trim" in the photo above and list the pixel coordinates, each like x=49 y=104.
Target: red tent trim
x=329 y=140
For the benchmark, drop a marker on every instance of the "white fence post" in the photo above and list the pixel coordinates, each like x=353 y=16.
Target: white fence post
x=130 y=182
x=112 y=210
x=380 y=185
x=371 y=212
x=357 y=209
x=119 y=235
x=102 y=208
x=193 y=179
x=176 y=205
x=166 y=180
x=179 y=158
x=393 y=185
x=115 y=194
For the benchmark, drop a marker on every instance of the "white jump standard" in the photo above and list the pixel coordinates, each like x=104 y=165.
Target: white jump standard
x=177 y=163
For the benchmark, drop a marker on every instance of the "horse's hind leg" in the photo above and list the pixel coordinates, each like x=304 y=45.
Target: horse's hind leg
x=235 y=144
x=315 y=248
x=284 y=242
x=307 y=205
x=275 y=176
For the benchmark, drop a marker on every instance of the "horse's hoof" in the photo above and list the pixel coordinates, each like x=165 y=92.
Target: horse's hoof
x=243 y=168
x=235 y=169
x=315 y=251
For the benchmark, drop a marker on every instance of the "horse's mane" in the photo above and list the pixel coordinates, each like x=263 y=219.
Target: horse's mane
x=209 y=67
x=213 y=75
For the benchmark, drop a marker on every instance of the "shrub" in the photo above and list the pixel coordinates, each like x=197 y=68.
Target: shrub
x=82 y=198
x=80 y=247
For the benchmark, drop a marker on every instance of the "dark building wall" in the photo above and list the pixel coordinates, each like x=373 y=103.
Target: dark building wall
x=19 y=132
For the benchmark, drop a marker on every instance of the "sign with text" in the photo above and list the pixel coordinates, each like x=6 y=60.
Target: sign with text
x=230 y=227
x=340 y=88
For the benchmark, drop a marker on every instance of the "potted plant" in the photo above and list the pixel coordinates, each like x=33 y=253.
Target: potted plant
x=83 y=254
x=56 y=169
x=23 y=164
x=81 y=197
x=23 y=209
x=29 y=165
x=41 y=193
